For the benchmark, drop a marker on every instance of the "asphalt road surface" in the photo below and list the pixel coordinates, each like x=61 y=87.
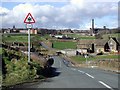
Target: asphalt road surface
x=65 y=76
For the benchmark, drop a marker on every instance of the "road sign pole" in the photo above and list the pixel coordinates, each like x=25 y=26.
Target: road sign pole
x=29 y=20
x=86 y=60
x=29 y=45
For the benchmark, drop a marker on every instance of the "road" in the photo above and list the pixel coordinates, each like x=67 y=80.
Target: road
x=65 y=76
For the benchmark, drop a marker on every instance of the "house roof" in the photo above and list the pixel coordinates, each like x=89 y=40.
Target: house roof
x=117 y=40
x=95 y=41
x=88 y=43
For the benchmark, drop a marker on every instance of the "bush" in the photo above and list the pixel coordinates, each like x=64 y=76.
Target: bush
x=18 y=71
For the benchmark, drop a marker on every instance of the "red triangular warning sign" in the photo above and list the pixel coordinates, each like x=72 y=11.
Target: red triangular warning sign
x=29 y=19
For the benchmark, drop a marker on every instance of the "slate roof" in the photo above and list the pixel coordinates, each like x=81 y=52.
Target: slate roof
x=97 y=42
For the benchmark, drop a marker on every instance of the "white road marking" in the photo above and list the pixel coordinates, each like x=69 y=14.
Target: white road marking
x=89 y=75
x=73 y=69
x=81 y=71
x=106 y=85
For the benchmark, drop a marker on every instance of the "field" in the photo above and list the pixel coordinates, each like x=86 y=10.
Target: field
x=81 y=36
x=17 y=38
x=106 y=36
x=20 y=38
x=80 y=59
x=64 y=45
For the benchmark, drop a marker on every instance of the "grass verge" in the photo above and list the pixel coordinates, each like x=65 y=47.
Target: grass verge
x=80 y=59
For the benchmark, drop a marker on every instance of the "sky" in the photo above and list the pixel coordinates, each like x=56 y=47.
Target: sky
x=56 y=14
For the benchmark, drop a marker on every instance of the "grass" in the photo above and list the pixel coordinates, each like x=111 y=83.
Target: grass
x=46 y=36
x=37 y=38
x=64 y=45
x=20 y=38
x=11 y=38
x=81 y=36
x=106 y=36
x=80 y=59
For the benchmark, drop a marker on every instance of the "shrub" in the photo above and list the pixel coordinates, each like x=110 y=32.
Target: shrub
x=18 y=71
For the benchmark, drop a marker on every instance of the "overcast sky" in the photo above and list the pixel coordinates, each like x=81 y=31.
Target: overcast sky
x=74 y=14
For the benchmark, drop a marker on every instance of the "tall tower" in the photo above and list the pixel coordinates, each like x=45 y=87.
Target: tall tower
x=92 y=29
x=92 y=24
x=13 y=26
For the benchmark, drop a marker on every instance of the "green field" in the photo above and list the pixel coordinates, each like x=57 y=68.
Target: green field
x=64 y=45
x=13 y=38
x=20 y=38
x=80 y=59
x=106 y=36
x=81 y=36
x=16 y=38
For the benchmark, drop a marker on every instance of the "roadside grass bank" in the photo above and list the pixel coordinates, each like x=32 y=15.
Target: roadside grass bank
x=80 y=59
x=16 y=70
x=105 y=62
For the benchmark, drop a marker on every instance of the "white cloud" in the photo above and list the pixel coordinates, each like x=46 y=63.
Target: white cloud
x=44 y=19
x=3 y=11
x=78 y=3
x=75 y=14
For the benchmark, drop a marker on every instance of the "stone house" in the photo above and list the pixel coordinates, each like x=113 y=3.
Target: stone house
x=99 y=45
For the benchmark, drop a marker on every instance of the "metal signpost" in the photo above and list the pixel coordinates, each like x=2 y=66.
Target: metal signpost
x=29 y=20
x=86 y=60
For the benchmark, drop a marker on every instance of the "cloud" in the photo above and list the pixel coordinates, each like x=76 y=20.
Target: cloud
x=3 y=11
x=77 y=3
x=75 y=14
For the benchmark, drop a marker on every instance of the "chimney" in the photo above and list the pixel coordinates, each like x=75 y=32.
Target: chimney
x=92 y=24
x=92 y=29
x=104 y=27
